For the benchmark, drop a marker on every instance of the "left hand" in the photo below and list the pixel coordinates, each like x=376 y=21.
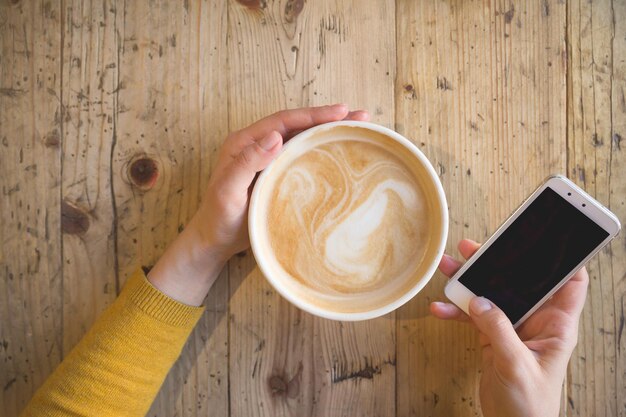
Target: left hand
x=219 y=229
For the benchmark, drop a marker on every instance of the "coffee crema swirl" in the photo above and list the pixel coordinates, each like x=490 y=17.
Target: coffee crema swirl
x=348 y=216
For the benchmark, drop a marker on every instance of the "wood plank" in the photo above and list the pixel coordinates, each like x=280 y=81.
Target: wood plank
x=289 y=54
x=31 y=127
x=478 y=84
x=481 y=90
x=90 y=81
x=171 y=118
x=596 y=160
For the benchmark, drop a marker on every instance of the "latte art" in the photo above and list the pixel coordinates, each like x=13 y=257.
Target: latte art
x=349 y=222
x=348 y=216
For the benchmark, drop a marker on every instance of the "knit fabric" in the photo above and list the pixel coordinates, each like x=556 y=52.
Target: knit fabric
x=120 y=364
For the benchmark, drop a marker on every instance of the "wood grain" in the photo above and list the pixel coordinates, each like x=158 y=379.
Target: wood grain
x=111 y=115
x=171 y=118
x=481 y=90
x=597 y=162
x=31 y=127
x=284 y=361
x=90 y=78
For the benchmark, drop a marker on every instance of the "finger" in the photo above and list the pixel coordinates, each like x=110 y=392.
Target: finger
x=358 y=115
x=447 y=311
x=448 y=265
x=570 y=298
x=253 y=158
x=483 y=340
x=497 y=328
x=292 y=134
x=287 y=121
x=468 y=247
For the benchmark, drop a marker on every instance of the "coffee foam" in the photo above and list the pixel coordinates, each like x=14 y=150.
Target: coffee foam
x=346 y=218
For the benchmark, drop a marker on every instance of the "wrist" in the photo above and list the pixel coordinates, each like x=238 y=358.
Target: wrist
x=189 y=267
x=203 y=248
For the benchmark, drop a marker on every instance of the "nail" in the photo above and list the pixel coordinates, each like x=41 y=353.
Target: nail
x=447 y=260
x=479 y=305
x=340 y=106
x=269 y=141
x=445 y=308
x=360 y=113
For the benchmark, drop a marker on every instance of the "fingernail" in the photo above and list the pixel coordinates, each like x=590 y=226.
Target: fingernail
x=479 y=305
x=342 y=106
x=447 y=259
x=444 y=308
x=269 y=141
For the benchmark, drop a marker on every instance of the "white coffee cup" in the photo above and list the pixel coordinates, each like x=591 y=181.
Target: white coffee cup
x=391 y=293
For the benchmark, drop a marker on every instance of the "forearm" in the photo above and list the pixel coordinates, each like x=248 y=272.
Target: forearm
x=119 y=366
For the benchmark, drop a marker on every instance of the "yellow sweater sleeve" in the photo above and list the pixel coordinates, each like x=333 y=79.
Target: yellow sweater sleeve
x=120 y=364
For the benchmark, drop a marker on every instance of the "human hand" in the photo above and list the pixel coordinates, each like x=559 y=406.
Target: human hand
x=523 y=372
x=219 y=228
x=222 y=217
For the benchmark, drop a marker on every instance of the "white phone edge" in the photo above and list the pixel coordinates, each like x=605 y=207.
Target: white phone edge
x=461 y=295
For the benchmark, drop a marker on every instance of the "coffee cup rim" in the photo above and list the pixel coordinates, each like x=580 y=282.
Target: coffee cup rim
x=396 y=303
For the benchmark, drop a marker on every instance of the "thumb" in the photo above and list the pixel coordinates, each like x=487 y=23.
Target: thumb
x=252 y=159
x=494 y=324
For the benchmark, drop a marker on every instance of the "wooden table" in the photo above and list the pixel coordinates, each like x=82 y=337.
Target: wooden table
x=111 y=114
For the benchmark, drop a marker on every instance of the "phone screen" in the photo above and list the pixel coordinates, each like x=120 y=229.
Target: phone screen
x=533 y=254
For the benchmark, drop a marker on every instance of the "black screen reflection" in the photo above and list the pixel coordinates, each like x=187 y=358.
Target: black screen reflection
x=533 y=255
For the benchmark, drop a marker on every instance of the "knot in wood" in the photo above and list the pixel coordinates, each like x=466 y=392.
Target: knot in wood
x=277 y=385
x=143 y=173
x=52 y=139
x=74 y=220
x=253 y=4
x=292 y=9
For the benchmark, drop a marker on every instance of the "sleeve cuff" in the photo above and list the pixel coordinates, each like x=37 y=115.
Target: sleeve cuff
x=158 y=305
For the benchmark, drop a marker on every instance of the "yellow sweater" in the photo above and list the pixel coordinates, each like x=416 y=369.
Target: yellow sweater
x=120 y=364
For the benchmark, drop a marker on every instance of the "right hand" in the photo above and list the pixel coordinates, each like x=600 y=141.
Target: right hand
x=523 y=371
x=219 y=229
x=222 y=216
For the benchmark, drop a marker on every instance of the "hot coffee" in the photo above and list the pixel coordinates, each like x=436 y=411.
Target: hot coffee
x=358 y=215
x=348 y=219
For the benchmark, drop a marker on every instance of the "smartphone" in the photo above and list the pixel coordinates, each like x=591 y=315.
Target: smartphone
x=536 y=250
